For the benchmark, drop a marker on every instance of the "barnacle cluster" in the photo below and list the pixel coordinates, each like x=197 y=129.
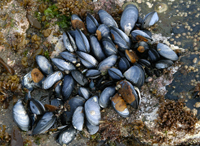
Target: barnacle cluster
x=79 y=7
x=18 y=41
x=4 y=136
x=173 y=115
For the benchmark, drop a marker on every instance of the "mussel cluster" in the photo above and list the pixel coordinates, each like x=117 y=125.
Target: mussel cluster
x=114 y=62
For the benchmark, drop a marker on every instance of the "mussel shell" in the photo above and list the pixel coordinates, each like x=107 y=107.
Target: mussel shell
x=56 y=102
x=153 y=55
x=161 y=64
x=141 y=33
x=92 y=23
x=27 y=82
x=87 y=60
x=69 y=57
x=103 y=31
x=79 y=77
x=142 y=49
x=135 y=75
x=92 y=110
x=96 y=48
x=119 y=105
x=52 y=79
x=128 y=93
x=46 y=122
x=66 y=136
x=78 y=118
x=58 y=88
x=68 y=86
x=123 y=64
x=73 y=103
x=84 y=92
x=129 y=18
x=105 y=96
x=93 y=73
x=63 y=65
x=109 y=47
x=44 y=64
x=115 y=73
x=82 y=41
x=120 y=38
x=92 y=129
x=107 y=18
x=166 y=52
x=144 y=62
x=69 y=42
x=36 y=106
x=150 y=19
x=107 y=63
x=77 y=23
x=20 y=116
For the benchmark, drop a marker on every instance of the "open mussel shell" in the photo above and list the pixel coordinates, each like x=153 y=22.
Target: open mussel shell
x=129 y=18
x=63 y=65
x=103 y=31
x=52 y=79
x=96 y=48
x=79 y=77
x=92 y=110
x=69 y=57
x=107 y=19
x=87 y=60
x=69 y=42
x=78 y=118
x=139 y=35
x=115 y=73
x=93 y=73
x=82 y=41
x=150 y=19
x=73 y=103
x=123 y=64
x=84 y=92
x=161 y=64
x=104 y=98
x=36 y=107
x=20 y=116
x=66 y=136
x=119 y=105
x=68 y=86
x=92 y=23
x=46 y=122
x=44 y=64
x=107 y=63
x=135 y=75
x=77 y=23
x=120 y=38
x=128 y=93
x=109 y=47
x=166 y=52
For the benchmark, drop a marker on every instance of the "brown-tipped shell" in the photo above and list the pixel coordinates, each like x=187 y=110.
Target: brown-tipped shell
x=79 y=24
x=36 y=75
x=128 y=93
x=141 y=49
x=120 y=105
x=131 y=56
x=98 y=35
x=50 y=108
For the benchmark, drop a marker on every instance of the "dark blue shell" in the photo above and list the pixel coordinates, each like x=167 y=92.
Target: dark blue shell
x=92 y=23
x=68 y=86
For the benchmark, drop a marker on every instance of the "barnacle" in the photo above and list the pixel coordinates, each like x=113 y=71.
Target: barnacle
x=172 y=114
x=79 y=7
